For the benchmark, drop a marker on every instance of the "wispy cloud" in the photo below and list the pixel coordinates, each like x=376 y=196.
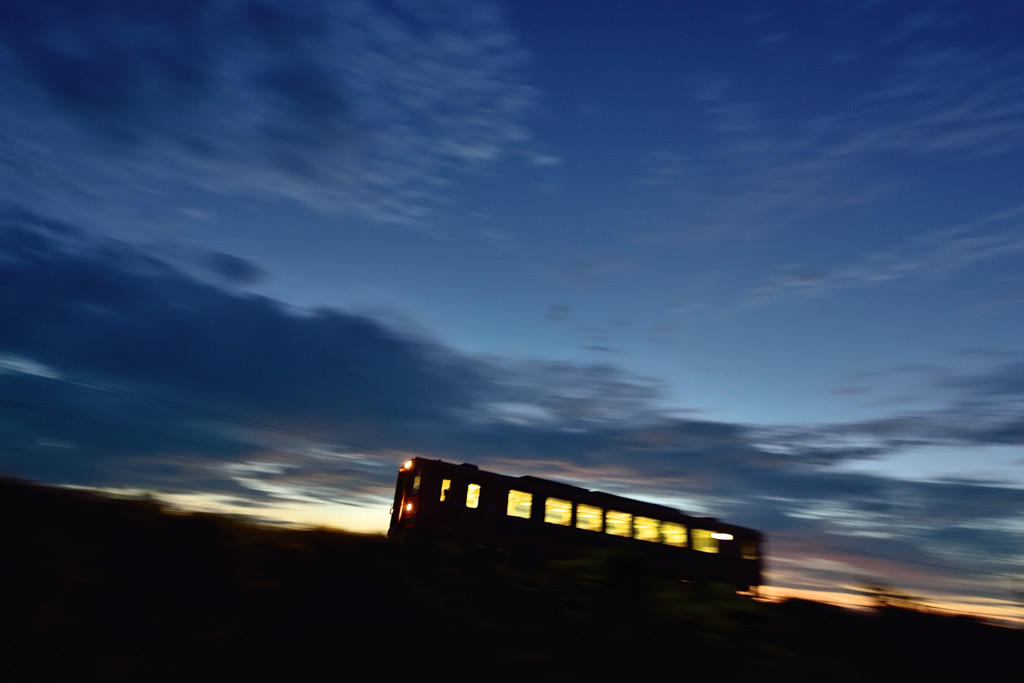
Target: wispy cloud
x=765 y=162
x=360 y=107
x=932 y=254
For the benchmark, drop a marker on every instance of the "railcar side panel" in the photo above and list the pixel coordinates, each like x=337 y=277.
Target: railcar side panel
x=528 y=515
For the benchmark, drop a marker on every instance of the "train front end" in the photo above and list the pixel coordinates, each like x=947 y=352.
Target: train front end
x=406 y=505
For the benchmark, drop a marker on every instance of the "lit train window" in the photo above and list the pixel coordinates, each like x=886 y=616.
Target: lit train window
x=674 y=534
x=558 y=511
x=618 y=523
x=588 y=517
x=748 y=550
x=704 y=541
x=446 y=486
x=416 y=484
x=646 y=529
x=473 y=495
x=519 y=503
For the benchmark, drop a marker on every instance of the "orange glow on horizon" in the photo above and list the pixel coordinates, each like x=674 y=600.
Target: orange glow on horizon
x=1001 y=611
x=372 y=519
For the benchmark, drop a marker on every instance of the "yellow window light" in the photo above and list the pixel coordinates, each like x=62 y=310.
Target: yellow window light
x=519 y=504
x=704 y=540
x=618 y=523
x=557 y=511
x=673 y=534
x=646 y=529
x=588 y=517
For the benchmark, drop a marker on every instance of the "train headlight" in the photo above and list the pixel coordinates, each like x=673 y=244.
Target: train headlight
x=408 y=507
x=407 y=465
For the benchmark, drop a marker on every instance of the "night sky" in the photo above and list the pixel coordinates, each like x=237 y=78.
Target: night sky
x=758 y=260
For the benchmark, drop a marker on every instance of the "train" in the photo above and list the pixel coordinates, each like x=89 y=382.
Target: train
x=530 y=520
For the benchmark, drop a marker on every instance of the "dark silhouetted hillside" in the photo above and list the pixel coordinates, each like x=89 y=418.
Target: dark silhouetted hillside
x=123 y=590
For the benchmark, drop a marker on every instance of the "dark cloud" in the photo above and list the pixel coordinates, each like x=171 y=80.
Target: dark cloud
x=923 y=406
x=117 y=368
x=234 y=269
x=964 y=423
x=114 y=313
x=112 y=356
x=98 y=58
x=1004 y=382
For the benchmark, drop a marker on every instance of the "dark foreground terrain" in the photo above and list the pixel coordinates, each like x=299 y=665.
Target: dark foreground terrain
x=102 y=589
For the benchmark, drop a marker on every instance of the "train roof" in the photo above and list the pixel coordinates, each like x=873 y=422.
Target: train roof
x=600 y=498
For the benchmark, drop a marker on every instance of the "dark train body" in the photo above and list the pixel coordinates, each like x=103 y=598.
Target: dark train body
x=527 y=517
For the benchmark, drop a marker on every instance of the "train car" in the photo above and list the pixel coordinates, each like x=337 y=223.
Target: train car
x=528 y=517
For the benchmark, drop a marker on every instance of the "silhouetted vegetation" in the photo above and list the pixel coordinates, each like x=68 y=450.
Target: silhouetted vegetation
x=123 y=590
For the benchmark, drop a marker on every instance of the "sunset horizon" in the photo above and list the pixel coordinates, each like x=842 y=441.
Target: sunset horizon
x=754 y=261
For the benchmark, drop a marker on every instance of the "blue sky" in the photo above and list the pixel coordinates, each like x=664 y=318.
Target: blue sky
x=752 y=260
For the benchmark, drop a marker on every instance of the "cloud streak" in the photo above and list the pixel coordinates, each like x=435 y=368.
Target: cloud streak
x=938 y=253
x=362 y=107
x=766 y=162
